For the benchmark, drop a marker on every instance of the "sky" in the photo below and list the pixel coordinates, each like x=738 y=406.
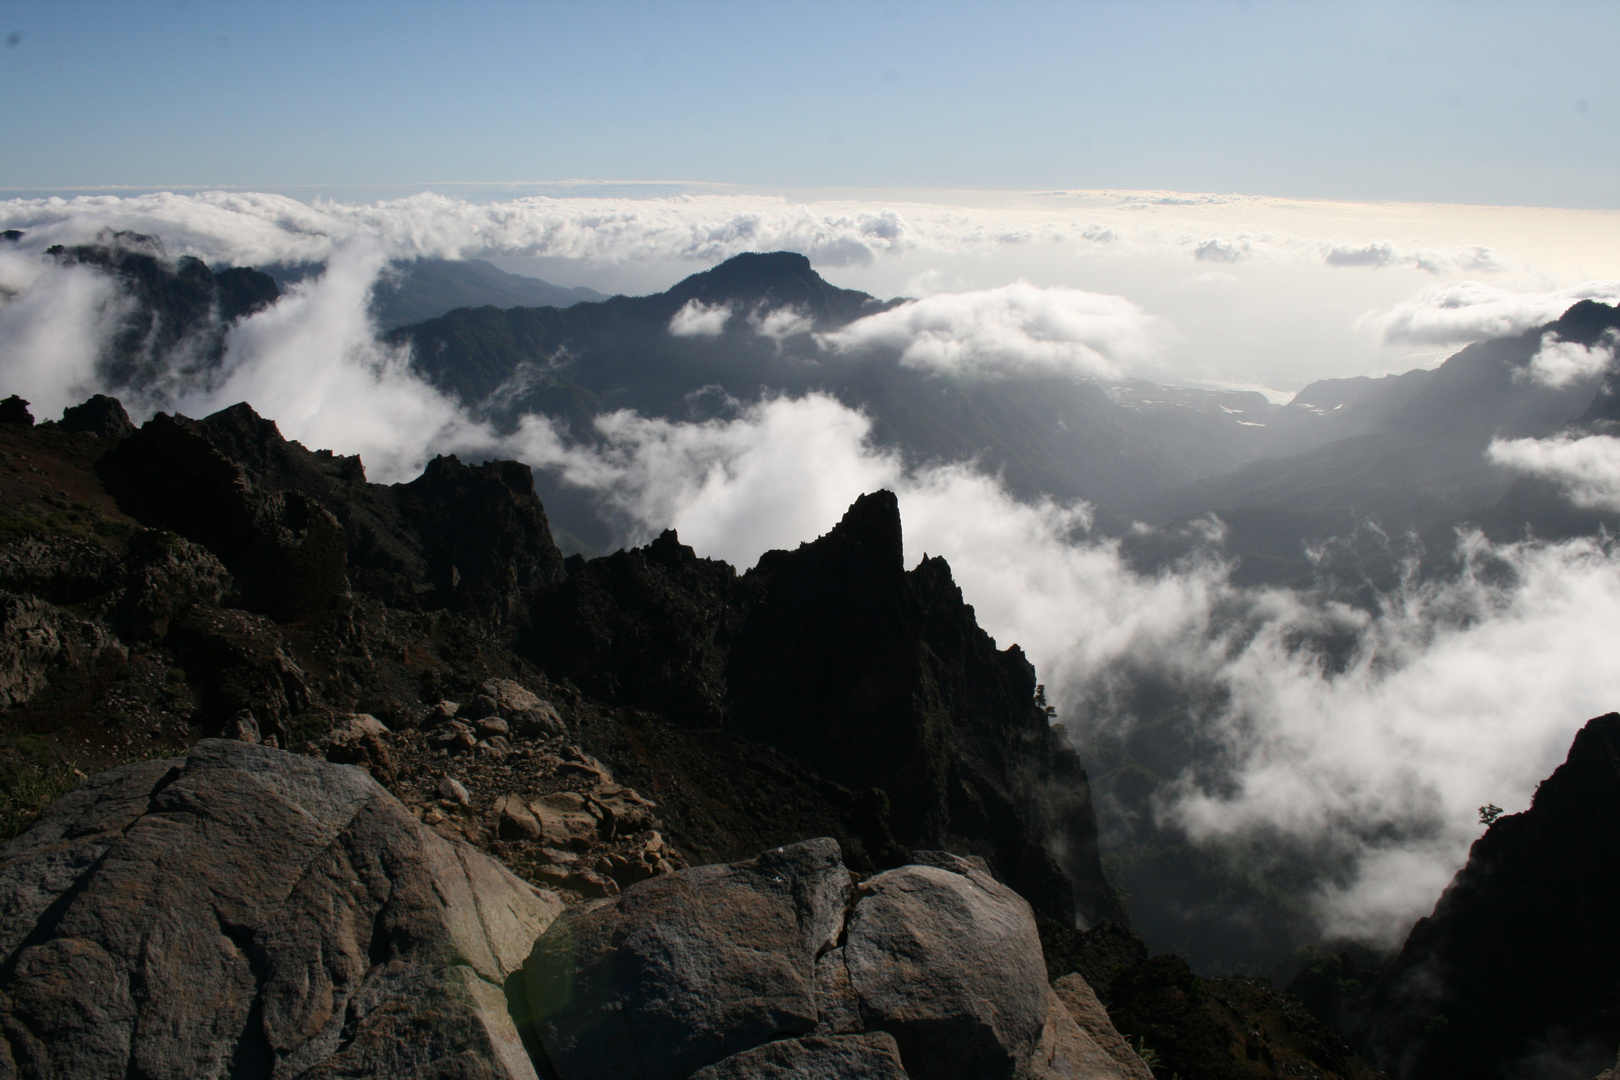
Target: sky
x=1250 y=195
x=1428 y=102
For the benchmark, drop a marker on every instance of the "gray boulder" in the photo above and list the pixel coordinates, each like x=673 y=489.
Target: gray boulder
x=949 y=962
x=244 y=911
x=761 y=969
x=689 y=968
x=526 y=712
x=839 y=1057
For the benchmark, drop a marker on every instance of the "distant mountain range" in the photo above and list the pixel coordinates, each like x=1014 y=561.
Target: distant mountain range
x=415 y=290
x=1406 y=452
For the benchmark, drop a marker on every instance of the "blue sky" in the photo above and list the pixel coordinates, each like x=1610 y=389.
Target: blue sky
x=1479 y=103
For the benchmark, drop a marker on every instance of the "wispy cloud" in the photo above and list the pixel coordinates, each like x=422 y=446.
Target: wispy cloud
x=1563 y=363
x=1474 y=311
x=697 y=319
x=1016 y=328
x=1586 y=467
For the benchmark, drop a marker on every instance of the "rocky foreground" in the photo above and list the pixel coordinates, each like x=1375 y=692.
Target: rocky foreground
x=244 y=911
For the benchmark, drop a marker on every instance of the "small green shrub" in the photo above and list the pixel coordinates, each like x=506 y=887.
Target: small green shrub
x=26 y=790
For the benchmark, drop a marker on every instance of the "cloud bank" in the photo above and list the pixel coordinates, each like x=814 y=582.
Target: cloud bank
x=1372 y=755
x=1014 y=329
x=1587 y=467
x=1473 y=311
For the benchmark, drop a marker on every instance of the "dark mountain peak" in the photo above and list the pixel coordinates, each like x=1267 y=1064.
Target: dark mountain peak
x=1521 y=955
x=1589 y=776
x=1585 y=322
x=774 y=279
x=872 y=523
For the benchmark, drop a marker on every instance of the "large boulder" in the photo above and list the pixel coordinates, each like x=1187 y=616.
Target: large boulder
x=837 y=1057
x=688 y=968
x=246 y=912
x=948 y=961
x=761 y=969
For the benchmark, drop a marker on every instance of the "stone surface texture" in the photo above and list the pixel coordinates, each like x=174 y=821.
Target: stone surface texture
x=763 y=968
x=871 y=1057
x=1082 y=1004
x=243 y=911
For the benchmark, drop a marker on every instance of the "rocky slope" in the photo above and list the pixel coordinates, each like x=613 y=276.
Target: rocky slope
x=595 y=727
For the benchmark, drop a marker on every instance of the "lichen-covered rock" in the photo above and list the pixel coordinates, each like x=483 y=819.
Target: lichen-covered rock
x=244 y=911
x=838 y=1057
x=686 y=969
x=949 y=962
x=1066 y=1051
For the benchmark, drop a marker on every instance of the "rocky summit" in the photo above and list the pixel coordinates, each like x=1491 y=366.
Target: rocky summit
x=308 y=776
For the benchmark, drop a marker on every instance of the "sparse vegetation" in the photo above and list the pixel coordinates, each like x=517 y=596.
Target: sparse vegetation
x=28 y=788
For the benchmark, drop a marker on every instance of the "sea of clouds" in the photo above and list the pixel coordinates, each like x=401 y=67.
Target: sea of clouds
x=1449 y=694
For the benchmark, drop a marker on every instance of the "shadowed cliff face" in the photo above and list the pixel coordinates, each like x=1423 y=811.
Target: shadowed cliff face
x=873 y=678
x=1517 y=972
x=289 y=522
x=877 y=678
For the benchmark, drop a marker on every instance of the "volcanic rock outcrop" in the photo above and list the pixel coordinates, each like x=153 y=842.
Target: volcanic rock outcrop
x=876 y=677
x=778 y=966
x=244 y=911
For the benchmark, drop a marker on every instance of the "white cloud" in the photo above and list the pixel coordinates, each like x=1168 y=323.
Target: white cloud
x=1472 y=311
x=1457 y=694
x=1563 y=363
x=1226 y=251
x=313 y=364
x=779 y=323
x=1016 y=328
x=1378 y=254
x=1588 y=468
x=777 y=475
x=1451 y=694
x=697 y=319
x=54 y=322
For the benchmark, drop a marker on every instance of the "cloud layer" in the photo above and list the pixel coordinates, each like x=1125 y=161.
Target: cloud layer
x=1439 y=698
x=1014 y=329
x=1472 y=311
x=1586 y=467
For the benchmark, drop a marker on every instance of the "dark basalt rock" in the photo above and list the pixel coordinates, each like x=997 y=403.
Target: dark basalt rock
x=100 y=415
x=877 y=678
x=1517 y=971
x=14 y=410
x=289 y=522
